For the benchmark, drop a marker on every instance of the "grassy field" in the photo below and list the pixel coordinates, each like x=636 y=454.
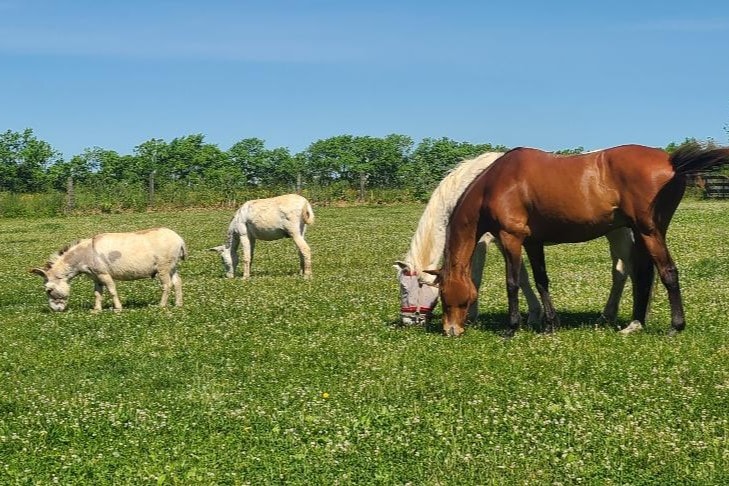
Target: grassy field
x=281 y=380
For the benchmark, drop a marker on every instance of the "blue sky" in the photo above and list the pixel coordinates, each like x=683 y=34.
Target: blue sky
x=545 y=74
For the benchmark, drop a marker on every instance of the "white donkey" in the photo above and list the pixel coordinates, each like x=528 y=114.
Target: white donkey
x=115 y=256
x=267 y=219
x=418 y=293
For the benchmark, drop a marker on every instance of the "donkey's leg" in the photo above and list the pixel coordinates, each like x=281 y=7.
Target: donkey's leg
x=108 y=282
x=511 y=246
x=177 y=282
x=247 y=242
x=657 y=249
x=621 y=249
x=304 y=255
x=166 y=281
x=535 y=251
x=98 y=295
x=477 y=263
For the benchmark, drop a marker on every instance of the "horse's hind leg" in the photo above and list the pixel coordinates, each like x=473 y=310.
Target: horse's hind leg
x=535 y=251
x=643 y=275
x=656 y=246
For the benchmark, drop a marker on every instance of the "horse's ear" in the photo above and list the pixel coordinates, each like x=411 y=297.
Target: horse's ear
x=401 y=266
x=39 y=271
x=436 y=274
x=219 y=249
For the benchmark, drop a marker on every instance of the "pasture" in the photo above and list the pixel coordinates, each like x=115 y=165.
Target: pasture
x=285 y=380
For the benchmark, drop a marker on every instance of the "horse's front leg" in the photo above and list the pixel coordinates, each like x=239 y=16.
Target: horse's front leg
x=511 y=246
x=535 y=251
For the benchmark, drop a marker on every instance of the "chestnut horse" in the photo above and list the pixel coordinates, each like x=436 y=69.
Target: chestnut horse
x=531 y=198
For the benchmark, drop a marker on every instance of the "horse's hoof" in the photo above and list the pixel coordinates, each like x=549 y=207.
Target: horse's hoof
x=535 y=318
x=634 y=326
x=674 y=332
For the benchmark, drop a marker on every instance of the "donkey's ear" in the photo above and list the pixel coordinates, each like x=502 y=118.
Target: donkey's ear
x=39 y=271
x=219 y=249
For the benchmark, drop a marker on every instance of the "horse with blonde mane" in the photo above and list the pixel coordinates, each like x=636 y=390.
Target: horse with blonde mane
x=418 y=290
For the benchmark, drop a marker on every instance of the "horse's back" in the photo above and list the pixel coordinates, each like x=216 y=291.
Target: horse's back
x=592 y=191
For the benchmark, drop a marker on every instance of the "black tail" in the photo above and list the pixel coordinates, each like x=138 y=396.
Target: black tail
x=693 y=158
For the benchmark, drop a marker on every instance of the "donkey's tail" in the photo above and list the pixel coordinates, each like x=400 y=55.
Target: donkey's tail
x=183 y=251
x=693 y=158
x=307 y=213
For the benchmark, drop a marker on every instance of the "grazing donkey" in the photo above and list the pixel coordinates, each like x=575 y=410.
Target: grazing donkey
x=115 y=256
x=267 y=219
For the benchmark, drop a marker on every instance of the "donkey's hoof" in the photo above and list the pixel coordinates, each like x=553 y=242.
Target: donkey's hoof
x=674 y=332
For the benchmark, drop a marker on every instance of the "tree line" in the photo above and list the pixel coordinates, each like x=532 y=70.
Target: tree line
x=337 y=165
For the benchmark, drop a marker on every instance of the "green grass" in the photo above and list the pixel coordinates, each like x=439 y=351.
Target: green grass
x=231 y=388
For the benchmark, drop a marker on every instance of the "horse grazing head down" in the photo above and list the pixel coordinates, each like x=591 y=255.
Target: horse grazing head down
x=418 y=295
x=458 y=293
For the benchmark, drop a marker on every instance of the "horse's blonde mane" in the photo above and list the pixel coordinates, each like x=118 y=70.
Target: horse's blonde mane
x=428 y=242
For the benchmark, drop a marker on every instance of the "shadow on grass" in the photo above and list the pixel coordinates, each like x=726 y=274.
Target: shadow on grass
x=497 y=323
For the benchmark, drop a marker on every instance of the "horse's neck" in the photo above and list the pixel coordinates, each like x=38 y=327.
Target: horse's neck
x=428 y=242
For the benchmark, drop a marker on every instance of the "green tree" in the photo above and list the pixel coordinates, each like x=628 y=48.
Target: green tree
x=24 y=160
x=431 y=160
x=251 y=160
x=190 y=159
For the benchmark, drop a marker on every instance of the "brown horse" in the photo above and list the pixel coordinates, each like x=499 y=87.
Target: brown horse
x=531 y=198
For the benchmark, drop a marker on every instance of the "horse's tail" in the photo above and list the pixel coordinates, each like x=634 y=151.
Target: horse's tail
x=692 y=158
x=307 y=213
